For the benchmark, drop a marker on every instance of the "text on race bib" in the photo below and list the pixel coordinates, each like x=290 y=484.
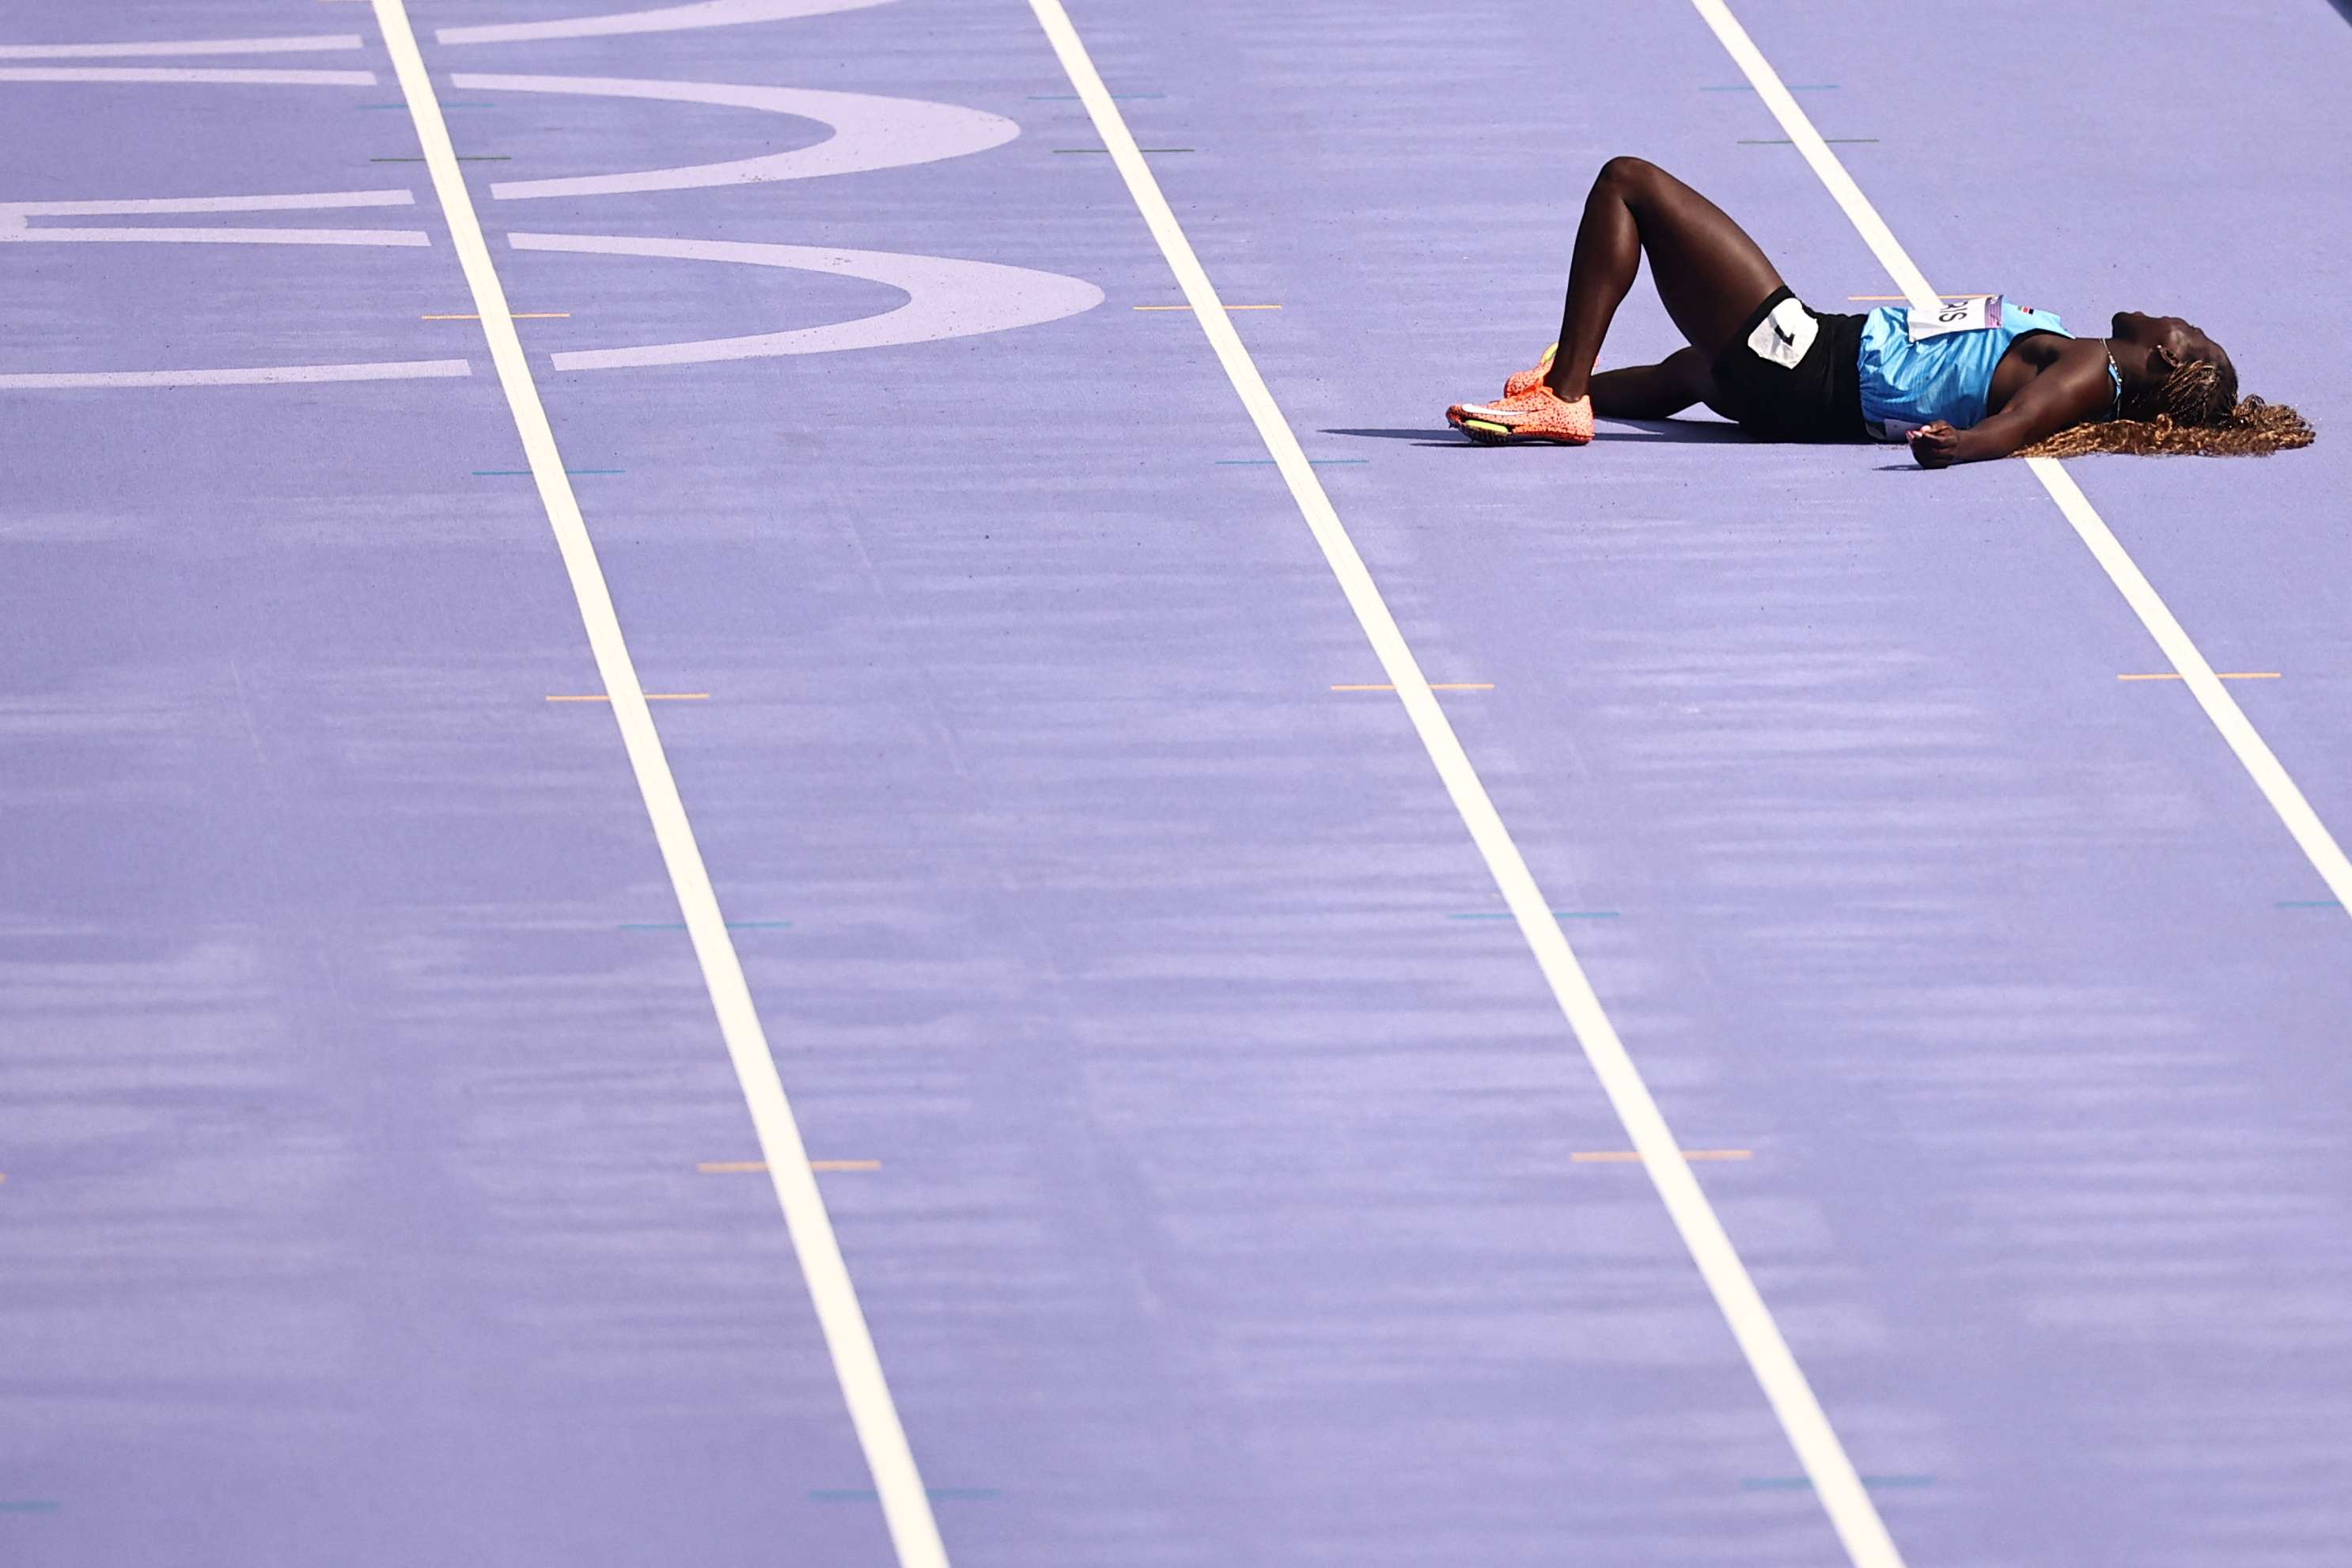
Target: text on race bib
x=1954 y=316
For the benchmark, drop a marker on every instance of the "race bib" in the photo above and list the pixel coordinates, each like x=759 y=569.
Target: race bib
x=1783 y=336
x=1954 y=316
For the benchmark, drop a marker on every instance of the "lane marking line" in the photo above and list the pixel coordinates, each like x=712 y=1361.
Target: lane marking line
x=1727 y=1277
x=1139 y=149
x=1268 y=462
x=518 y=315
x=526 y=473
x=751 y=1167
x=470 y=158
x=1789 y=142
x=2252 y=752
x=1799 y=1483
x=680 y=925
x=1633 y=1156
x=1555 y=914
x=1188 y=306
x=1906 y=298
x=648 y=696
x=899 y=1483
x=1434 y=686
x=2221 y=675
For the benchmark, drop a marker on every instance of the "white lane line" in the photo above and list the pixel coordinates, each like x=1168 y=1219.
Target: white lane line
x=2310 y=834
x=1792 y=1397
x=2269 y=775
x=907 y=1509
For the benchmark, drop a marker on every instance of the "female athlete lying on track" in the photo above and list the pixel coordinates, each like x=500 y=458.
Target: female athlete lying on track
x=1980 y=379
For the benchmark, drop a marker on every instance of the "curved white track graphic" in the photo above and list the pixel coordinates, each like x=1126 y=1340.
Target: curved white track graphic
x=16 y=229
x=661 y=19
x=946 y=298
x=253 y=375
x=869 y=131
x=234 y=77
x=309 y=44
x=12 y=214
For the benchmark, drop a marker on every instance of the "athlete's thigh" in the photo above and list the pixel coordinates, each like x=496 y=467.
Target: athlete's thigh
x=1710 y=275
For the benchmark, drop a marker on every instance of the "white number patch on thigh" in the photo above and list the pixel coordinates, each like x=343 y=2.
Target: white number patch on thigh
x=1783 y=336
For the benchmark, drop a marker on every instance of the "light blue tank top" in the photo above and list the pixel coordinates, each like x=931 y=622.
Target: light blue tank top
x=1906 y=384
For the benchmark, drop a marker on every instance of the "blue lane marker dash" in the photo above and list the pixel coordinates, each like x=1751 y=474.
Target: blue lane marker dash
x=31 y=1507
x=2311 y=904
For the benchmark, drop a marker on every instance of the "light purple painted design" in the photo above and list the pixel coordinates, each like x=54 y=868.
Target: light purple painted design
x=255 y=376
x=230 y=76
x=660 y=19
x=14 y=215
x=311 y=44
x=870 y=131
x=947 y=298
x=190 y=236
x=300 y=201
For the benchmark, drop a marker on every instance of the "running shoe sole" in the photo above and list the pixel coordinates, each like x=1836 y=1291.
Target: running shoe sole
x=1488 y=434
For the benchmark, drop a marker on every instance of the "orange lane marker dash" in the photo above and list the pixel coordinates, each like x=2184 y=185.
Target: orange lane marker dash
x=2218 y=675
x=1631 y=1156
x=748 y=1167
x=650 y=697
x=1434 y=686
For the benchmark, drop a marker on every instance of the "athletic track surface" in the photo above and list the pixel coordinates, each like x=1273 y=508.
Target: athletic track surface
x=732 y=838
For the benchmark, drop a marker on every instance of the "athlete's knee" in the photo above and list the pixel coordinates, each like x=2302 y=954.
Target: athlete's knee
x=1626 y=175
x=1692 y=370
x=1693 y=375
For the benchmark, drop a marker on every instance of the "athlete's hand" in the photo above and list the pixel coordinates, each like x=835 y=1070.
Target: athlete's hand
x=1936 y=446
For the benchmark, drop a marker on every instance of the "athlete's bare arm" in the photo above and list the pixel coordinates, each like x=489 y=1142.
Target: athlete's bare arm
x=2073 y=388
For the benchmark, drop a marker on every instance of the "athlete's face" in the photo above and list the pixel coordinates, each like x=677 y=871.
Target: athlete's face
x=2169 y=341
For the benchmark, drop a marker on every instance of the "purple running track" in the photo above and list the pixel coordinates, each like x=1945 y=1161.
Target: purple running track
x=1228 y=1208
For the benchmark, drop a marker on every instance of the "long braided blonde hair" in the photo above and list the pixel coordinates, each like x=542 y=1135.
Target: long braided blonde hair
x=2195 y=411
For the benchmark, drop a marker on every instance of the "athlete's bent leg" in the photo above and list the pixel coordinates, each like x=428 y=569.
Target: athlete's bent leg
x=1653 y=391
x=1710 y=275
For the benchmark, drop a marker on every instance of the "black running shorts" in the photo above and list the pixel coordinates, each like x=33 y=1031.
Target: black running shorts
x=1792 y=373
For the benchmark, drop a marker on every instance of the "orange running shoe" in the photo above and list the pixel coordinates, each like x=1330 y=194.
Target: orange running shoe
x=1529 y=380
x=1535 y=414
